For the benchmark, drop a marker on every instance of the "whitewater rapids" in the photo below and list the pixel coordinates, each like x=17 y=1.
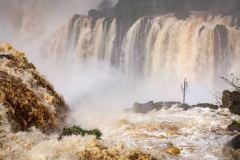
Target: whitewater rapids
x=199 y=133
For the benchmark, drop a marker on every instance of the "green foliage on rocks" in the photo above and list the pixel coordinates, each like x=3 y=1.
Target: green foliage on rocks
x=76 y=130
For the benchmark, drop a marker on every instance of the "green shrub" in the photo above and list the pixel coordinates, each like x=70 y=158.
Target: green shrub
x=76 y=130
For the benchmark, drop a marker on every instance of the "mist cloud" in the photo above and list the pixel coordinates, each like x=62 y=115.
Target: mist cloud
x=34 y=18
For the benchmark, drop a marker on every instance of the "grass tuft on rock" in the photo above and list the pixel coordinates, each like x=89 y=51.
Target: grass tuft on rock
x=76 y=130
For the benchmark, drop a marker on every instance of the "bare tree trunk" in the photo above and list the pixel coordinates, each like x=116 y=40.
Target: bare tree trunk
x=184 y=90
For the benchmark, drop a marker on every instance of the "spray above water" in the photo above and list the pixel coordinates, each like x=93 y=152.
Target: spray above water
x=158 y=52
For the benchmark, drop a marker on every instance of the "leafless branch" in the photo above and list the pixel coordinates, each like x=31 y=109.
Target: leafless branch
x=217 y=97
x=232 y=81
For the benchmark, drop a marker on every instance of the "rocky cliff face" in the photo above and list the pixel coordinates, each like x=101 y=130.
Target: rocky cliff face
x=137 y=8
x=29 y=99
x=128 y=11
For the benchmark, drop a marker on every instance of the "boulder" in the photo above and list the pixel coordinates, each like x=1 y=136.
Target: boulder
x=228 y=153
x=234 y=126
x=231 y=100
x=143 y=108
x=235 y=143
x=173 y=150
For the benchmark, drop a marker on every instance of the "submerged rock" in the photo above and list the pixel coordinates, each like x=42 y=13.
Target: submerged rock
x=143 y=108
x=173 y=150
x=149 y=106
x=231 y=100
x=206 y=105
x=29 y=98
x=228 y=153
x=235 y=142
x=234 y=126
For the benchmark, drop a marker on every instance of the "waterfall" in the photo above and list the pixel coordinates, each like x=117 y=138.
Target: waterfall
x=195 y=47
x=200 y=47
x=79 y=40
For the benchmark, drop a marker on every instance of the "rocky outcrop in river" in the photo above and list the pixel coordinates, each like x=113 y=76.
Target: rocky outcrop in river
x=231 y=100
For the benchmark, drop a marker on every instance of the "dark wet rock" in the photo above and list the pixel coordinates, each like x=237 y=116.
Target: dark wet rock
x=228 y=153
x=104 y=9
x=235 y=143
x=98 y=14
x=149 y=106
x=227 y=100
x=138 y=8
x=95 y=13
x=143 y=108
x=231 y=100
x=131 y=10
x=206 y=105
x=105 y=4
x=234 y=126
x=6 y=56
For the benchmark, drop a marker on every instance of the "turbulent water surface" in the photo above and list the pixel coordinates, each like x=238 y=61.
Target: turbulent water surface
x=198 y=133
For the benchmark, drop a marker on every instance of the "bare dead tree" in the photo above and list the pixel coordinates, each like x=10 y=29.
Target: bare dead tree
x=184 y=87
x=233 y=81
